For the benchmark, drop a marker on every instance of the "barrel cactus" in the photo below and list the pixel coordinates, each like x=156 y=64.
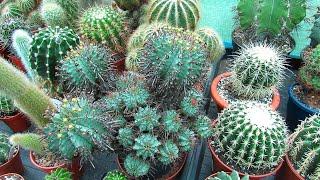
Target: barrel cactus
x=115 y=175
x=105 y=25
x=6 y=106
x=5 y=148
x=59 y=173
x=250 y=138
x=35 y=20
x=26 y=6
x=128 y=4
x=178 y=13
x=11 y=10
x=224 y=176
x=48 y=48
x=304 y=148
x=54 y=15
x=256 y=70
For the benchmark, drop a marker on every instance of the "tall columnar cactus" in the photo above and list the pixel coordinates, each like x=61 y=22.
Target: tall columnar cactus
x=309 y=74
x=304 y=150
x=271 y=17
x=10 y=10
x=88 y=67
x=256 y=70
x=26 y=6
x=6 y=106
x=224 y=176
x=26 y=95
x=115 y=175
x=213 y=43
x=128 y=4
x=250 y=137
x=178 y=13
x=105 y=25
x=59 y=174
x=5 y=148
x=54 y=15
x=48 y=48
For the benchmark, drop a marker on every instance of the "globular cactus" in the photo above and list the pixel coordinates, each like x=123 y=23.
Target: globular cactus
x=203 y=126
x=309 y=74
x=48 y=48
x=224 y=176
x=250 y=137
x=5 y=148
x=71 y=8
x=10 y=10
x=214 y=43
x=88 y=67
x=186 y=139
x=132 y=60
x=59 y=174
x=54 y=15
x=26 y=6
x=178 y=13
x=304 y=148
x=128 y=5
x=146 y=118
x=35 y=20
x=191 y=103
x=146 y=146
x=105 y=25
x=135 y=166
x=172 y=121
x=115 y=175
x=256 y=70
x=169 y=152
x=29 y=141
x=7 y=107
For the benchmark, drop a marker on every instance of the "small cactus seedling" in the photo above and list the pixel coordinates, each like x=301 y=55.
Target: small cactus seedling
x=5 y=148
x=224 y=176
x=59 y=174
x=256 y=70
x=178 y=13
x=115 y=175
x=6 y=106
x=304 y=151
x=250 y=137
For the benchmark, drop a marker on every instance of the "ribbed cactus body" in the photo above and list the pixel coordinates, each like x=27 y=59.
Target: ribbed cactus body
x=250 y=137
x=128 y=4
x=48 y=48
x=8 y=26
x=11 y=10
x=304 y=151
x=59 y=173
x=105 y=25
x=178 y=13
x=54 y=15
x=71 y=8
x=35 y=20
x=4 y=148
x=6 y=106
x=26 y=5
x=256 y=70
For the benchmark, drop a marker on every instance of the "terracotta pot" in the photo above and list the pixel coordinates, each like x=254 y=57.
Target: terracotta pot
x=11 y=175
x=171 y=176
x=222 y=104
x=18 y=123
x=13 y=165
x=74 y=167
x=288 y=171
x=17 y=62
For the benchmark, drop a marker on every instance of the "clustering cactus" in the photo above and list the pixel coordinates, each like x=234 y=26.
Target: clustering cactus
x=304 y=148
x=59 y=174
x=271 y=18
x=256 y=70
x=128 y=5
x=105 y=25
x=224 y=176
x=48 y=48
x=89 y=67
x=115 y=175
x=5 y=148
x=178 y=13
x=6 y=106
x=309 y=74
x=250 y=138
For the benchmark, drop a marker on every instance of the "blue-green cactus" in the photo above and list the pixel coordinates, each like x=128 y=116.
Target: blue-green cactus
x=172 y=121
x=146 y=118
x=135 y=166
x=169 y=152
x=5 y=148
x=146 y=146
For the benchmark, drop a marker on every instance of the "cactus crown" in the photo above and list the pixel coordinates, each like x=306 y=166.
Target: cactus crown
x=271 y=17
x=224 y=176
x=256 y=70
x=304 y=150
x=115 y=175
x=6 y=106
x=59 y=174
x=178 y=13
x=105 y=25
x=5 y=148
x=309 y=74
x=250 y=137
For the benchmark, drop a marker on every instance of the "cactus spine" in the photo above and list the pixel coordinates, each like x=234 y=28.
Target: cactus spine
x=5 y=148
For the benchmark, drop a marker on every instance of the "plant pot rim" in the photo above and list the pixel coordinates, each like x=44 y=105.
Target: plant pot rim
x=300 y=104
x=33 y=161
x=291 y=167
x=222 y=103
x=16 y=174
x=240 y=173
x=184 y=156
x=8 y=118
x=17 y=153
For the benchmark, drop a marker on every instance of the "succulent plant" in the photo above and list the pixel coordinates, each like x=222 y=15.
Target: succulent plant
x=71 y=8
x=115 y=175
x=224 y=176
x=256 y=70
x=35 y=20
x=191 y=103
x=309 y=74
x=10 y=10
x=304 y=148
x=128 y=5
x=315 y=32
x=6 y=106
x=135 y=166
x=48 y=48
x=29 y=141
x=105 y=25
x=5 y=148
x=26 y=6
x=88 y=67
x=146 y=118
x=250 y=137
x=54 y=15
x=59 y=174
x=178 y=13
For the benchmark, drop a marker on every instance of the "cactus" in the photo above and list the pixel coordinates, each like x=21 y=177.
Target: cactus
x=172 y=121
x=128 y=5
x=115 y=175
x=10 y=10
x=59 y=174
x=6 y=107
x=5 y=148
x=26 y=95
x=71 y=8
x=29 y=141
x=224 y=176
x=53 y=15
x=262 y=17
x=315 y=32
x=186 y=139
x=169 y=152
x=309 y=74
x=146 y=118
x=304 y=148
x=213 y=43
x=34 y=19
x=250 y=137
x=256 y=70
x=48 y=48
x=88 y=67
x=190 y=104
x=146 y=146
x=26 y=6
x=178 y=13
x=135 y=166
x=132 y=60
x=203 y=126
x=105 y=25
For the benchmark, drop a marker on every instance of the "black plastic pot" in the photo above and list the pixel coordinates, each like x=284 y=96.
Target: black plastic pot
x=297 y=111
